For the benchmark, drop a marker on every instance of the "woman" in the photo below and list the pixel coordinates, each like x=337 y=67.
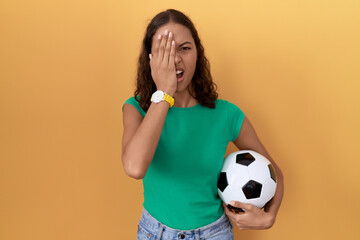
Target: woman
x=176 y=131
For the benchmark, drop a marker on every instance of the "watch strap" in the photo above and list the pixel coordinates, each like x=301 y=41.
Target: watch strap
x=169 y=99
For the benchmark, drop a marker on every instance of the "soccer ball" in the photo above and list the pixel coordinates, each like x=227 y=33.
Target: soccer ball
x=246 y=176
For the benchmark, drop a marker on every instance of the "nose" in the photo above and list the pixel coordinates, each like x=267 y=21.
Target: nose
x=177 y=58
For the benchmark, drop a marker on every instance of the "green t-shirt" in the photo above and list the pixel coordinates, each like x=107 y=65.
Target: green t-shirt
x=180 y=185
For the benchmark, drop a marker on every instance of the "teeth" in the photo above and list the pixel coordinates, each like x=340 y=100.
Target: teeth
x=179 y=71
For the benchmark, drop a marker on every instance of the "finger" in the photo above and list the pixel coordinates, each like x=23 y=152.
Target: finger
x=234 y=217
x=168 y=47
x=162 y=46
x=155 y=48
x=172 y=52
x=235 y=210
x=244 y=206
x=228 y=212
x=225 y=207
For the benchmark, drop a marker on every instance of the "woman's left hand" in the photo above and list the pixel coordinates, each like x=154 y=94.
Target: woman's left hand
x=252 y=218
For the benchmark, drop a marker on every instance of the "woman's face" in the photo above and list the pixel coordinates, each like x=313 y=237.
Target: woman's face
x=185 y=54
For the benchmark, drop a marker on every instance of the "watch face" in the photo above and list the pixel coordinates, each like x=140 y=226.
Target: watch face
x=158 y=96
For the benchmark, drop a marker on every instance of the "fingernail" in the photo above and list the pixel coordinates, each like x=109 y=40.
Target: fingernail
x=232 y=203
x=166 y=32
x=150 y=56
x=170 y=34
x=159 y=36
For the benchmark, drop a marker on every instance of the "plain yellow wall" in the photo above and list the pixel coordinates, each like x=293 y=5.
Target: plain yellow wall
x=66 y=68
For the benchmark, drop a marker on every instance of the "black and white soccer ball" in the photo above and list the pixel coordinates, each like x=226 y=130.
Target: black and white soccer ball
x=246 y=176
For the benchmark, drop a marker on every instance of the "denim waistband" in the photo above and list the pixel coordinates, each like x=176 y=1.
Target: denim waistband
x=161 y=229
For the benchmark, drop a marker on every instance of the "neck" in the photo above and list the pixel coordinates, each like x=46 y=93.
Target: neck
x=184 y=99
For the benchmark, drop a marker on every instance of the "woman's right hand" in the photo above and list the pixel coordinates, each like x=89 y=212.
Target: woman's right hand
x=162 y=63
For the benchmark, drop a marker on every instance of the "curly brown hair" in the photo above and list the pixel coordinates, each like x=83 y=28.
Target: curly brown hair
x=203 y=87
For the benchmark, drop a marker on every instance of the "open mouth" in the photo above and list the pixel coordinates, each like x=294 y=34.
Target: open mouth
x=179 y=74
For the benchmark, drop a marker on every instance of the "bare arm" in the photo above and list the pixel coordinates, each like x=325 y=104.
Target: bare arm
x=249 y=140
x=255 y=218
x=141 y=137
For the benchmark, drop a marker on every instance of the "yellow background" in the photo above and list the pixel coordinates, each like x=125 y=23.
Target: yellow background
x=66 y=68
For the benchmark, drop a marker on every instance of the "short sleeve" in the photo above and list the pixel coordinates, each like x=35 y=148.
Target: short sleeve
x=136 y=104
x=236 y=118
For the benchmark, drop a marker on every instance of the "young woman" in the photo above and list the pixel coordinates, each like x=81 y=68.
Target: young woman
x=176 y=131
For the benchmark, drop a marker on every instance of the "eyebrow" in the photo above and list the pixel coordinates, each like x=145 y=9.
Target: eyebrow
x=184 y=43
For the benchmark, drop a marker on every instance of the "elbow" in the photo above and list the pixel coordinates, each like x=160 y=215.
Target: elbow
x=134 y=174
x=132 y=171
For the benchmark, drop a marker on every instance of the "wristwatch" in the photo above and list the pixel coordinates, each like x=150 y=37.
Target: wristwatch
x=160 y=96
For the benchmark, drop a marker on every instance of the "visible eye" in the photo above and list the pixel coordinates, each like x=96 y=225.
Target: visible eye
x=185 y=48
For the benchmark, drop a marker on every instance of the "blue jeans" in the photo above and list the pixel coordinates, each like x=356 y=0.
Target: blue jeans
x=151 y=229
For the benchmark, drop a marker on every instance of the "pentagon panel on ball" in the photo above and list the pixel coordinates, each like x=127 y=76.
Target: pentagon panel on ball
x=248 y=177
